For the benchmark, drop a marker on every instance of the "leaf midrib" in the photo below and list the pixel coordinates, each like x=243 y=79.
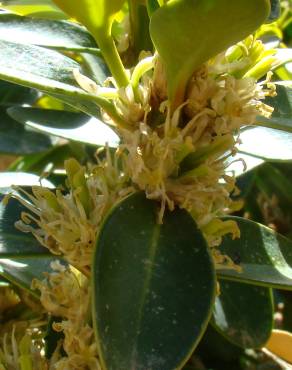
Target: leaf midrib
x=147 y=282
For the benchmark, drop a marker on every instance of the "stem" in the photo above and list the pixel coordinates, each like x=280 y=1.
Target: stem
x=113 y=60
x=144 y=66
x=139 y=21
x=111 y=110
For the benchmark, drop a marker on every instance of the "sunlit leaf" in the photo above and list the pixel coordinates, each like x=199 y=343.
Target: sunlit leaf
x=266 y=143
x=7 y=179
x=94 y=14
x=46 y=70
x=264 y=256
x=37 y=8
x=187 y=33
x=49 y=33
x=73 y=126
x=22 y=271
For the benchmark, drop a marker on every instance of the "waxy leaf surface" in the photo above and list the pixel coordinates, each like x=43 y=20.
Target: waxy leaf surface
x=43 y=32
x=243 y=314
x=153 y=287
x=187 y=33
x=43 y=69
x=17 y=139
x=265 y=257
x=266 y=143
x=73 y=126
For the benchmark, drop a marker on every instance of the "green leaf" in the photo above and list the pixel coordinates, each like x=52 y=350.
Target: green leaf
x=152 y=284
x=275 y=10
x=49 y=33
x=33 y=7
x=187 y=33
x=14 y=243
x=22 y=258
x=3 y=282
x=139 y=21
x=73 y=126
x=243 y=314
x=96 y=15
x=10 y=94
x=265 y=256
x=271 y=180
x=22 y=271
x=37 y=67
x=50 y=72
x=282 y=116
x=152 y=5
x=95 y=67
x=38 y=163
x=266 y=143
x=7 y=179
x=16 y=139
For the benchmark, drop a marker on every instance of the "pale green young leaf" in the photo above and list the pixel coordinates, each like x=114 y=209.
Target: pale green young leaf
x=186 y=33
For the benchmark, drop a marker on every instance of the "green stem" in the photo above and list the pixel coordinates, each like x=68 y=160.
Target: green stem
x=142 y=67
x=111 y=110
x=113 y=60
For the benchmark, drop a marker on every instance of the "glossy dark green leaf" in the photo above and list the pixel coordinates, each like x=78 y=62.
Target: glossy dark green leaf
x=95 y=67
x=152 y=5
x=265 y=256
x=139 y=21
x=43 y=69
x=11 y=94
x=73 y=126
x=17 y=139
x=275 y=10
x=271 y=181
x=42 y=163
x=266 y=143
x=14 y=243
x=152 y=284
x=243 y=314
x=22 y=271
x=282 y=116
x=199 y=30
x=49 y=33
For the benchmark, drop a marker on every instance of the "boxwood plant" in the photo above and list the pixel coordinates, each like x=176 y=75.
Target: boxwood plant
x=122 y=241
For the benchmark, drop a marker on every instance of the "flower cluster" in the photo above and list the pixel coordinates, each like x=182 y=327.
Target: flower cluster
x=179 y=159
